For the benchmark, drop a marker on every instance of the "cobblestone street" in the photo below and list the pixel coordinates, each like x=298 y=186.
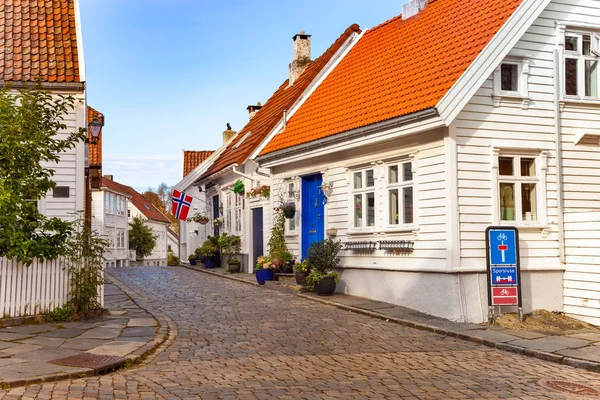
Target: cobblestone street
x=231 y=340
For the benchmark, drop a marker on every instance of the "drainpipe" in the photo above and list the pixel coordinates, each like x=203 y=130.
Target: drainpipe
x=235 y=171
x=558 y=150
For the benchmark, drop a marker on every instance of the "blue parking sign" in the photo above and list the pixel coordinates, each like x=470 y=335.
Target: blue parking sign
x=503 y=246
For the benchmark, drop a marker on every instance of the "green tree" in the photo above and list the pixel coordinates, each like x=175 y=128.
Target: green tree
x=32 y=137
x=161 y=199
x=141 y=238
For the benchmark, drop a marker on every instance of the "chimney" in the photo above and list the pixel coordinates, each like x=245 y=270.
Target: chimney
x=412 y=8
x=252 y=110
x=301 y=56
x=228 y=133
x=109 y=177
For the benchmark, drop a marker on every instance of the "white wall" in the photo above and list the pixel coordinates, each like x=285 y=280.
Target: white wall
x=108 y=224
x=159 y=254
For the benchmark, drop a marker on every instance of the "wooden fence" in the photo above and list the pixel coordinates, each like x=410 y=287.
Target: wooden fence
x=37 y=289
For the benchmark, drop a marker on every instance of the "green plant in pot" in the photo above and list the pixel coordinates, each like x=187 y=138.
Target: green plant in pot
x=322 y=260
x=301 y=270
x=289 y=209
x=231 y=246
x=192 y=258
x=209 y=251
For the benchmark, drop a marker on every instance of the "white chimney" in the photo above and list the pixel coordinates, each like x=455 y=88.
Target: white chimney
x=301 y=56
x=412 y=8
x=253 y=109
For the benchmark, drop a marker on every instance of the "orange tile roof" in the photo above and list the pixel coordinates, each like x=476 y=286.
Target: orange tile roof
x=139 y=201
x=272 y=111
x=191 y=159
x=38 y=39
x=95 y=154
x=397 y=68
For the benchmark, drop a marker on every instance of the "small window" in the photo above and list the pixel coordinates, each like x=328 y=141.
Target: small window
x=61 y=192
x=510 y=77
x=518 y=191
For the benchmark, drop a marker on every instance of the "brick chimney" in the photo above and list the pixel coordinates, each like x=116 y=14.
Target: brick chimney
x=109 y=177
x=301 y=56
x=412 y=8
x=252 y=110
x=228 y=133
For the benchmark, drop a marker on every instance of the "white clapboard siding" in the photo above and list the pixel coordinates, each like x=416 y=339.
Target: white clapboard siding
x=37 y=289
x=582 y=276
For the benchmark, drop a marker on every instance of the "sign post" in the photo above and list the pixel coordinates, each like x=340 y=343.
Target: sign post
x=503 y=268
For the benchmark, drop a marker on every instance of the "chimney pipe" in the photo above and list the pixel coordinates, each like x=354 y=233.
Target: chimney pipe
x=252 y=110
x=109 y=177
x=228 y=133
x=413 y=7
x=301 y=56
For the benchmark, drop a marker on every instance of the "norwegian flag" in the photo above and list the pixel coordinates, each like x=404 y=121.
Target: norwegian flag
x=181 y=205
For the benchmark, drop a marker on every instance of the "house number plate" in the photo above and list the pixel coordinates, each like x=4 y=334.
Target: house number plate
x=313 y=231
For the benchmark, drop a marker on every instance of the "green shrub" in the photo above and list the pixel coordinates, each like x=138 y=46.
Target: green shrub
x=172 y=260
x=60 y=314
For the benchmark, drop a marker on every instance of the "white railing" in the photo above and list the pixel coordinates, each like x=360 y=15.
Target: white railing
x=37 y=289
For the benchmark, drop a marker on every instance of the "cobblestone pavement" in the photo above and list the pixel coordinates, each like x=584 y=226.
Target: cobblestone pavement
x=237 y=341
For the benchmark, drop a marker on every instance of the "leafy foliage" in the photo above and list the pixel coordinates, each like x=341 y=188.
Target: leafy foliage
x=277 y=247
x=230 y=246
x=172 y=260
x=85 y=259
x=141 y=238
x=161 y=198
x=322 y=259
x=32 y=136
x=60 y=314
x=238 y=187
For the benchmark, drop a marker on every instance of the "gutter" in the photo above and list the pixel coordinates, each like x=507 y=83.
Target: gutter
x=79 y=86
x=235 y=171
x=349 y=135
x=558 y=149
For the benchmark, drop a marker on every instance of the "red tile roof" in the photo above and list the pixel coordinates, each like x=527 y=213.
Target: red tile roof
x=139 y=201
x=272 y=111
x=191 y=159
x=397 y=68
x=95 y=154
x=38 y=39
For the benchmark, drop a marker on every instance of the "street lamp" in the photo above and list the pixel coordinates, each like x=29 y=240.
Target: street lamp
x=94 y=128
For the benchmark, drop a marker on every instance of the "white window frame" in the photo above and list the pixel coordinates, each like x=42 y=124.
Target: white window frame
x=238 y=213
x=228 y=213
x=400 y=185
x=522 y=92
x=120 y=238
x=581 y=58
x=541 y=168
x=363 y=191
x=107 y=202
x=291 y=225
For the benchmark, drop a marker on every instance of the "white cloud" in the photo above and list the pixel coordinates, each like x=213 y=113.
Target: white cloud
x=141 y=172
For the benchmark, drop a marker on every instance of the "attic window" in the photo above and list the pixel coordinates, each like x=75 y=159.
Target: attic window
x=511 y=80
x=242 y=140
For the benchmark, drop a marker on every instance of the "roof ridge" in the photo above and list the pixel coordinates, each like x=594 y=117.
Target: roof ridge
x=383 y=24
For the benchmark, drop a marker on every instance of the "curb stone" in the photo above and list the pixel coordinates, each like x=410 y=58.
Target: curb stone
x=556 y=358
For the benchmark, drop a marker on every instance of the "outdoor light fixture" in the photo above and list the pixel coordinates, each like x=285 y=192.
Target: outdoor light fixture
x=327 y=188
x=94 y=128
x=196 y=232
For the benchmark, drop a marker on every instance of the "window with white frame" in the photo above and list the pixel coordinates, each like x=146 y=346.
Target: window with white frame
x=110 y=237
x=228 y=212
x=238 y=206
x=519 y=188
x=107 y=202
x=581 y=59
x=511 y=79
x=290 y=195
x=120 y=238
x=363 y=198
x=400 y=193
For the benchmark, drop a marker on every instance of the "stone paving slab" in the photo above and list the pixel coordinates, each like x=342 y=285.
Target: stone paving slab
x=27 y=350
x=591 y=353
x=551 y=344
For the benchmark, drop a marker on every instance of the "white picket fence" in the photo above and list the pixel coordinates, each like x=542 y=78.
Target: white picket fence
x=37 y=289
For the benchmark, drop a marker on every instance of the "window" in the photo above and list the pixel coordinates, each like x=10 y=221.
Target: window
x=582 y=51
x=237 y=212
x=110 y=237
x=291 y=197
x=128 y=213
x=511 y=81
x=363 y=198
x=120 y=238
x=400 y=193
x=228 y=212
x=519 y=187
x=107 y=202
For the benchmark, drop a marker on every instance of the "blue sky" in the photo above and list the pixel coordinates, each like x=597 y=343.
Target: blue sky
x=169 y=75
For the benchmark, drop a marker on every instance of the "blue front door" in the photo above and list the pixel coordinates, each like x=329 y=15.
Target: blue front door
x=313 y=212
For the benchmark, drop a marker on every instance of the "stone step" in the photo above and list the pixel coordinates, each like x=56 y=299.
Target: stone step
x=286 y=278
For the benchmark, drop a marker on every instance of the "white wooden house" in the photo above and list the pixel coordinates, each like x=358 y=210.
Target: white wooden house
x=250 y=217
x=109 y=219
x=139 y=206
x=172 y=242
x=437 y=125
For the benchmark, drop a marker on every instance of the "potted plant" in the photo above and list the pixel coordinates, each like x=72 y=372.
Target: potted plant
x=322 y=259
x=209 y=251
x=199 y=219
x=289 y=209
x=230 y=246
x=301 y=271
x=218 y=222
x=192 y=259
x=238 y=187
x=283 y=261
x=261 y=191
x=264 y=270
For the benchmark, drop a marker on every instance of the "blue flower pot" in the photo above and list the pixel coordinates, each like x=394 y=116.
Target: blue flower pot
x=209 y=262
x=263 y=275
